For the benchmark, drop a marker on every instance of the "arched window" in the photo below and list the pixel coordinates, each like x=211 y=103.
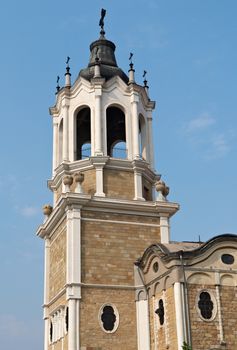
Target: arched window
x=142 y=137
x=116 y=132
x=161 y=312
x=60 y=142
x=83 y=133
x=118 y=150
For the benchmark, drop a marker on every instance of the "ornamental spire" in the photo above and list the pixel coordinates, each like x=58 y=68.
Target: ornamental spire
x=101 y=22
x=67 y=74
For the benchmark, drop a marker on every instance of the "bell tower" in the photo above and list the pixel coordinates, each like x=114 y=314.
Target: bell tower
x=105 y=210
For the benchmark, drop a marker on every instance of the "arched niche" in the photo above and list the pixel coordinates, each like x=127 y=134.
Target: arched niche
x=116 y=132
x=200 y=278
x=60 y=142
x=227 y=280
x=142 y=137
x=83 y=133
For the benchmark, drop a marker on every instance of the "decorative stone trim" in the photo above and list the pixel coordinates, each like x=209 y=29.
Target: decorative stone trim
x=57 y=324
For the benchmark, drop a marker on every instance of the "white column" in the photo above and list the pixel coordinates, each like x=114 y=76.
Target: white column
x=150 y=150
x=179 y=314
x=99 y=181
x=98 y=124
x=164 y=229
x=135 y=127
x=219 y=314
x=143 y=331
x=138 y=186
x=46 y=292
x=73 y=277
x=72 y=325
x=65 y=131
x=55 y=146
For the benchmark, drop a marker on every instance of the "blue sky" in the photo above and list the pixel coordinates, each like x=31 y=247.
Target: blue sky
x=189 y=50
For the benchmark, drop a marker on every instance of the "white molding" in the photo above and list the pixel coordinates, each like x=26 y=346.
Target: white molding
x=143 y=329
x=179 y=314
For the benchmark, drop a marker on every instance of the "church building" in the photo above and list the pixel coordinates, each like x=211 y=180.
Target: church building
x=113 y=278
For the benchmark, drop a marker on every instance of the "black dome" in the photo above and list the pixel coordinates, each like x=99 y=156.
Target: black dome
x=104 y=50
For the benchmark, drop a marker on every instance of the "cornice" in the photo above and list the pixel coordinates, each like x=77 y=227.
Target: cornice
x=78 y=201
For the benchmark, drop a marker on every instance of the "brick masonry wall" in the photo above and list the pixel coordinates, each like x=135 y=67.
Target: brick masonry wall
x=57 y=264
x=205 y=334
x=110 y=249
x=164 y=336
x=119 y=184
x=92 y=335
x=228 y=298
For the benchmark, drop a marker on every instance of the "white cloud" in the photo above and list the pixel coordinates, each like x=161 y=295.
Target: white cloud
x=29 y=211
x=218 y=147
x=203 y=121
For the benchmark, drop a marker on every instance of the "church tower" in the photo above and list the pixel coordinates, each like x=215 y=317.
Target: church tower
x=109 y=205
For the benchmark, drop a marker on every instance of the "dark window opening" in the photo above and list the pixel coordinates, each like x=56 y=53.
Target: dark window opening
x=227 y=259
x=205 y=305
x=116 y=134
x=51 y=332
x=161 y=312
x=83 y=133
x=108 y=318
x=146 y=193
x=155 y=266
x=66 y=319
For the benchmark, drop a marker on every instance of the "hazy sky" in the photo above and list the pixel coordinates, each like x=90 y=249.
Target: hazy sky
x=189 y=50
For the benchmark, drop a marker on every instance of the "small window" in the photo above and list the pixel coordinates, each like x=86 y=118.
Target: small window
x=155 y=266
x=109 y=318
x=206 y=305
x=227 y=259
x=51 y=332
x=66 y=320
x=161 y=312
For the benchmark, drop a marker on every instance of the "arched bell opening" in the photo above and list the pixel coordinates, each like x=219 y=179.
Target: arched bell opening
x=118 y=150
x=142 y=137
x=60 y=142
x=83 y=133
x=116 y=133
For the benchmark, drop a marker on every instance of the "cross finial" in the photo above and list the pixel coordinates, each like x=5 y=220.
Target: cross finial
x=57 y=87
x=67 y=61
x=130 y=59
x=145 y=80
x=101 y=23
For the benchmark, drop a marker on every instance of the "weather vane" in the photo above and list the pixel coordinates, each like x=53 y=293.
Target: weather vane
x=145 y=80
x=101 y=23
x=57 y=87
x=130 y=57
x=67 y=61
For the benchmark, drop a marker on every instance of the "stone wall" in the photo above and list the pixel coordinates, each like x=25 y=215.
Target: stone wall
x=119 y=184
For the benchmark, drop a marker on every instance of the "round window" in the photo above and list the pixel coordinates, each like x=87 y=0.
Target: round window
x=227 y=259
x=108 y=318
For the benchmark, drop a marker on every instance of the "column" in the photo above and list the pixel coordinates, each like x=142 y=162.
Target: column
x=179 y=314
x=150 y=140
x=135 y=127
x=143 y=331
x=73 y=275
x=65 y=131
x=164 y=229
x=138 y=185
x=98 y=124
x=55 y=146
x=46 y=293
